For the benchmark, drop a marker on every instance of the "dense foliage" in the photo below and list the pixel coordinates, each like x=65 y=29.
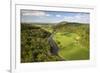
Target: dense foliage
x=34 y=44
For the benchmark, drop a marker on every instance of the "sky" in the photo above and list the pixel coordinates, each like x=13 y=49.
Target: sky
x=34 y=16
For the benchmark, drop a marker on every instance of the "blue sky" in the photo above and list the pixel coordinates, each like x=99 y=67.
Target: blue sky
x=31 y=16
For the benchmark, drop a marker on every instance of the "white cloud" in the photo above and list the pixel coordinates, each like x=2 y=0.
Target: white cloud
x=82 y=18
x=48 y=15
x=58 y=15
x=33 y=13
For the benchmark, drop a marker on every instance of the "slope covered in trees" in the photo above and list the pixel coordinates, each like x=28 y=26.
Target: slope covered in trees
x=34 y=44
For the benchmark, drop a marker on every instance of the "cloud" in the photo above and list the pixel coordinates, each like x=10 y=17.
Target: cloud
x=58 y=15
x=82 y=18
x=44 y=16
x=48 y=15
x=33 y=13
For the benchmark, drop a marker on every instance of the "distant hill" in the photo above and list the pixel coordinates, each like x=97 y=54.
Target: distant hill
x=68 y=23
x=69 y=26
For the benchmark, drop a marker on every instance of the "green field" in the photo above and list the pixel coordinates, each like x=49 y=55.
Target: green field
x=70 y=46
x=72 y=40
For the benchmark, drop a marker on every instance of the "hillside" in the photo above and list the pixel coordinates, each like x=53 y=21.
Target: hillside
x=38 y=40
x=73 y=40
x=34 y=44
